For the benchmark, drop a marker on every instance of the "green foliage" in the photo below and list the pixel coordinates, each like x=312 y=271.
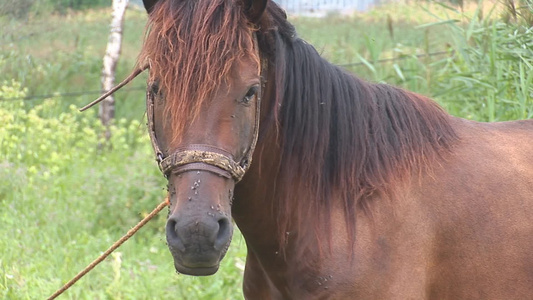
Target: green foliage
x=489 y=71
x=66 y=195
x=62 y=6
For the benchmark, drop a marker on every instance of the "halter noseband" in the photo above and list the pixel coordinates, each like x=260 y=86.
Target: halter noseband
x=198 y=156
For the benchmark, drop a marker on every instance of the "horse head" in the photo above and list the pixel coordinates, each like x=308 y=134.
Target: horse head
x=203 y=106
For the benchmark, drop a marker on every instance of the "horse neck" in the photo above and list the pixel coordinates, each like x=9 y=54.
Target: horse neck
x=329 y=140
x=253 y=205
x=256 y=214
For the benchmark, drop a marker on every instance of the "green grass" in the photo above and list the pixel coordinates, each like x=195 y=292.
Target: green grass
x=66 y=195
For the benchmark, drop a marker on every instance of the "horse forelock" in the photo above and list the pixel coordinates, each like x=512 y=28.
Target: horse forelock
x=191 y=48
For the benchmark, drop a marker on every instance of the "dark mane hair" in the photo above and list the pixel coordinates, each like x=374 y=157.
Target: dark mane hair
x=342 y=139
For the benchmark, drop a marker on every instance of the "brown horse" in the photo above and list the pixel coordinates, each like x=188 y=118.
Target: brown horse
x=356 y=190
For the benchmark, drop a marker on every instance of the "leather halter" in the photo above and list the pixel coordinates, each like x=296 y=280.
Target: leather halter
x=198 y=156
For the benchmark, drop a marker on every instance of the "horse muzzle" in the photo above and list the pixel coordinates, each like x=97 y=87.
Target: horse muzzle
x=199 y=227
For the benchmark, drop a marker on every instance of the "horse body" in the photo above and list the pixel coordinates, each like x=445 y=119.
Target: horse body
x=459 y=231
x=356 y=190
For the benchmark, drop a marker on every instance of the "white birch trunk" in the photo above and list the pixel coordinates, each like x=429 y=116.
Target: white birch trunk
x=112 y=54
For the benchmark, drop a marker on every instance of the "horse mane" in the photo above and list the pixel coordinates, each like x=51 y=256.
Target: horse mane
x=343 y=140
x=190 y=47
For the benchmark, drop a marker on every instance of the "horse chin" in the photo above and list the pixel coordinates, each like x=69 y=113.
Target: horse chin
x=195 y=271
x=198 y=265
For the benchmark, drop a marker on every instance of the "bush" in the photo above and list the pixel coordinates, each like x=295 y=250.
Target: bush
x=65 y=196
x=47 y=146
x=15 y=8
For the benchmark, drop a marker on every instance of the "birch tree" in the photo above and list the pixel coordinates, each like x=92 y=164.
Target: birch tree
x=112 y=54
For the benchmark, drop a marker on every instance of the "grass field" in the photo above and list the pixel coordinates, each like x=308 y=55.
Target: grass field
x=65 y=195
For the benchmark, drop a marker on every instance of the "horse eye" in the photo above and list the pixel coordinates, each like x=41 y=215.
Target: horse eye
x=249 y=95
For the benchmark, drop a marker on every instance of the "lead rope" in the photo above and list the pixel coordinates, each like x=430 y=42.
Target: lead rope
x=113 y=247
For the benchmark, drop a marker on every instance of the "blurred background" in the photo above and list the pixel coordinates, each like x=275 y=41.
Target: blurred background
x=67 y=193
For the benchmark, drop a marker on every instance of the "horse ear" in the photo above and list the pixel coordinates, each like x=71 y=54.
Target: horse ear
x=254 y=9
x=149 y=5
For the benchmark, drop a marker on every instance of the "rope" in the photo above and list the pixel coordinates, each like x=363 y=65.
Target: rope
x=68 y=94
x=117 y=244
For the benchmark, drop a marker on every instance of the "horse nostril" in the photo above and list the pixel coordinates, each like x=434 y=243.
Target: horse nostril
x=209 y=232
x=173 y=239
x=224 y=233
